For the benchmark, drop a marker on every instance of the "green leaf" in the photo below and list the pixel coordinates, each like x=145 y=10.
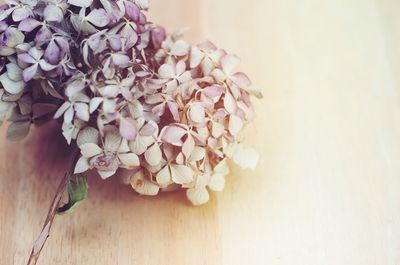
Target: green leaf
x=78 y=188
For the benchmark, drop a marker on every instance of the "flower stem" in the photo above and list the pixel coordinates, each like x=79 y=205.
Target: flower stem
x=45 y=233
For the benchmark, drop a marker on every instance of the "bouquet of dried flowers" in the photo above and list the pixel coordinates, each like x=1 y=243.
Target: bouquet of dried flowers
x=128 y=96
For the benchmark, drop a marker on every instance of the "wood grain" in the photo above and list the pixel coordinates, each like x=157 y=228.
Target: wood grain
x=327 y=187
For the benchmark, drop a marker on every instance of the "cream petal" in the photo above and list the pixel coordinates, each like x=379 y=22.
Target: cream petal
x=82 y=165
x=188 y=146
x=14 y=72
x=198 y=154
x=153 y=155
x=180 y=48
x=106 y=174
x=110 y=91
x=235 y=124
x=222 y=167
x=143 y=186
x=246 y=157
x=181 y=174
x=82 y=111
x=112 y=139
x=230 y=103
x=196 y=56
x=229 y=63
x=94 y=104
x=198 y=196
x=218 y=75
x=180 y=67
x=197 y=113
x=163 y=177
x=69 y=115
x=124 y=147
x=166 y=71
x=184 y=77
x=217 y=129
x=217 y=182
x=90 y=150
x=130 y=160
x=12 y=87
x=139 y=146
x=88 y=135
x=62 y=110
x=80 y=3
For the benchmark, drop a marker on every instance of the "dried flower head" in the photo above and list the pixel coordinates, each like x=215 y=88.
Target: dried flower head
x=128 y=95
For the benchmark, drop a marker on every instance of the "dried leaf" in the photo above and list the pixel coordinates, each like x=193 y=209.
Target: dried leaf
x=18 y=130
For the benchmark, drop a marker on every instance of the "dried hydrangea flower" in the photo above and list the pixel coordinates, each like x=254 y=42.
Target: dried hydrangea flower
x=128 y=95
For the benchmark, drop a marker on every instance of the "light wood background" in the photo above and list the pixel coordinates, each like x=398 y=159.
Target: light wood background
x=327 y=190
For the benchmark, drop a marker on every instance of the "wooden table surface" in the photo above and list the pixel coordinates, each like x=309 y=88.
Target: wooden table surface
x=327 y=190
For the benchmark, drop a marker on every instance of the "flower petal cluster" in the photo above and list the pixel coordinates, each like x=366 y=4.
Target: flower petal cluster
x=129 y=95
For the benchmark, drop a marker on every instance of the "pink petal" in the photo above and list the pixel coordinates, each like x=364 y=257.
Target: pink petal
x=120 y=59
x=180 y=48
x=241 y=80
x=159 y=110
x=173 y=134
x=188 y=146
x=197 y=113
x=196 y=56
x=235 y=124
x=230 y=103
x=173 y=108
x=180 y=67
x=128 y=129
x=213 y=91
x=207 y=46
x=166 y=71
x=229 y=63
x=149 y=129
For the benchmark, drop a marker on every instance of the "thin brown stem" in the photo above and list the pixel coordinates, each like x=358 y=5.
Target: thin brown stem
x=45 y=233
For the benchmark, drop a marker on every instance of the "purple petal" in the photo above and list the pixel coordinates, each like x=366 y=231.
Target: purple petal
x=30 y=72
x=53 y=13
x=46 y=66
x=158 y=35
x=28 y=25
x=120 y=59
x=63 y=45
x=52 y=53
x=98 y=17
x=3 y=26
x=132 y=11
x=128 y=129
x=115 y=43
x=130 y=35
x=20 y=14
x=43 y=35
x=26 y=58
